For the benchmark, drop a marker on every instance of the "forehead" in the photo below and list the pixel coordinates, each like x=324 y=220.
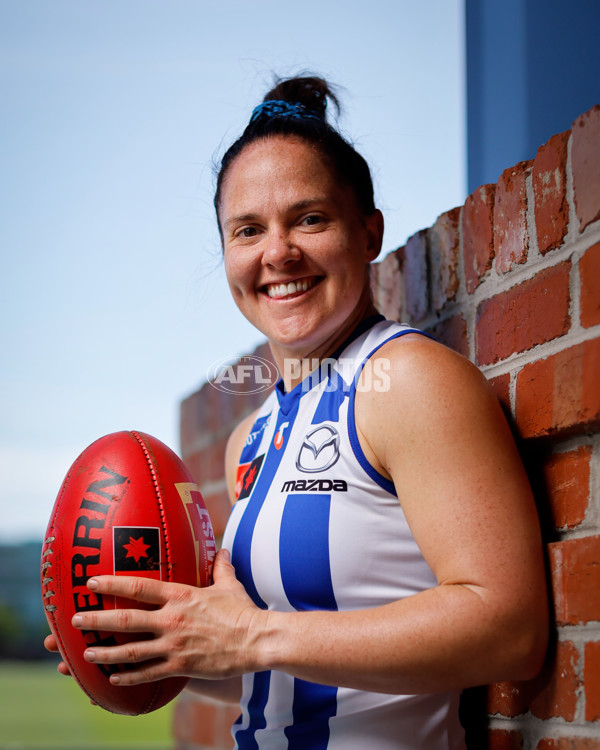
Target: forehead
x=278 y=166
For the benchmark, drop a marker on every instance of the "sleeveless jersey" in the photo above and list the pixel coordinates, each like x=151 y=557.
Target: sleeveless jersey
x=315 y=526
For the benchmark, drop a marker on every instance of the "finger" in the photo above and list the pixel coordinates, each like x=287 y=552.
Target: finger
x=132 y=587
x=223 y=570
x=50 y=643
x=63 y=669
x=150 y=672
x=126 y=653
x=115 y=620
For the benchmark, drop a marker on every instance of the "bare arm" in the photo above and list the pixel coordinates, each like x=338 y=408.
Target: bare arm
x=440 y=435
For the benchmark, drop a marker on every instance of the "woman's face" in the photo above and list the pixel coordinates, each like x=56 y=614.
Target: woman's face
x=296 y=247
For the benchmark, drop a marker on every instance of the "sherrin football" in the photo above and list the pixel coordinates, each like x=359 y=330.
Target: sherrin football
x=128 y=506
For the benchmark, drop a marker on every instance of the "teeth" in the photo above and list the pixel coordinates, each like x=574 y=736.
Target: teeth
x=276 y=291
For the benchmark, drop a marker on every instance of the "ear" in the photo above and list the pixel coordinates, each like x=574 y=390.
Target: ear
x=374 y=226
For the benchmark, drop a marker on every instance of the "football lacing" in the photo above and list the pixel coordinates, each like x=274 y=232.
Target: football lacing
x=46 y=580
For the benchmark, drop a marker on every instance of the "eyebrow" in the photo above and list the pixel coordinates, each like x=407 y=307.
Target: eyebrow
x=298 y=206
x=241 y=219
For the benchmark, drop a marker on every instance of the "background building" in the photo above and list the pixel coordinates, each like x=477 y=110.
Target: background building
x=532 y=66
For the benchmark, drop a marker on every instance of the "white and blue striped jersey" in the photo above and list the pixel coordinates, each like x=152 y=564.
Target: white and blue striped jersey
x=315 y=526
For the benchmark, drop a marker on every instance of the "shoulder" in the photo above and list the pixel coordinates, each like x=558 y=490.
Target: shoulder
x=416 y=365
x=415 y=392
x=233 y=451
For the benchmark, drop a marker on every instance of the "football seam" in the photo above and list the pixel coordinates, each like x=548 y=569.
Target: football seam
x=155 y=693
x=50 y=607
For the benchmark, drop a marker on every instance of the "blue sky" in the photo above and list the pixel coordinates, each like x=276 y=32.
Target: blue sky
x=114 y=303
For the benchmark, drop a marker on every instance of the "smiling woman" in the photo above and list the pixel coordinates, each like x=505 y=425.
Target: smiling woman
x=383 y=551
x=297 y=266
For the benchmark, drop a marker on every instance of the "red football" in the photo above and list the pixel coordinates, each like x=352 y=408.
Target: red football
x=128 y=506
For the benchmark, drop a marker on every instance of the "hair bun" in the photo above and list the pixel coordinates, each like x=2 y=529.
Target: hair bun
x=296 y=108
x=311 y=92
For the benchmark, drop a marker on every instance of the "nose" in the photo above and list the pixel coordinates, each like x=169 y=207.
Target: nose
x=280 y=250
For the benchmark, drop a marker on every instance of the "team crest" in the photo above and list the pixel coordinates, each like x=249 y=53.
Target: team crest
x=247 y=475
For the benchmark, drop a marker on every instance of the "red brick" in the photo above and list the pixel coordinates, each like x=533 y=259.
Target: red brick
x=226 y=717
x=569 y=743
x=575 y=575
x=208 y=464
x=231 y=404
x=550 y=192
x=443 y=241
x=504 y=739
x=553 y=693
x=453 y=333
x=589 y=272
x=413 y=263
x=511 y=238
x=197 y=722
x=195 y=417
x=567 y=481
x=478 y=235
x=194 y=721
x=591 y=679
x=508 y=698
x=560 y=394
x=387 y=286
x=219 y=409
x=585 y=164
x=254 y=400
x=501 y=387
x=528 y=314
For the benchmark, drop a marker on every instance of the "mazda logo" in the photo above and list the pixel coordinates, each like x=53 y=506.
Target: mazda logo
x=320 y=450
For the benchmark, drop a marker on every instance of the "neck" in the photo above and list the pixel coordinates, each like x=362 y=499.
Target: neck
x=296 y=362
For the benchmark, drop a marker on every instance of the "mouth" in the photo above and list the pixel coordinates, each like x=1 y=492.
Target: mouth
x=290 y=289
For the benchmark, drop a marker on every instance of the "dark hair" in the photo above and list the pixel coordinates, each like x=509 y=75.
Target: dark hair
x=309 y=94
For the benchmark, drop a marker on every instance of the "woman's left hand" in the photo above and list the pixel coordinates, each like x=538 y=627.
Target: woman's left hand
x=197 y=632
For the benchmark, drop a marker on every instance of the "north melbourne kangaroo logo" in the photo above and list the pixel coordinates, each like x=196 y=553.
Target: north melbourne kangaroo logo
x=320 y=450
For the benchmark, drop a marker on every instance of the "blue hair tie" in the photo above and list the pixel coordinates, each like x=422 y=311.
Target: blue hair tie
x=279 y=108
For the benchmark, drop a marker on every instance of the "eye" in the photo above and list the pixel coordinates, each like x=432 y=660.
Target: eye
x=312 y=220
x=247 y=232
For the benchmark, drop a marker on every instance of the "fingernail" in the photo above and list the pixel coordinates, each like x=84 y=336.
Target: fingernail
x=226 y=554
x=76 y=621
x=90 y=655
x=92 y=584
x=115 y=679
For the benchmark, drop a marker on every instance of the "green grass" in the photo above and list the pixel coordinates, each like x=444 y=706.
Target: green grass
x=40 y=708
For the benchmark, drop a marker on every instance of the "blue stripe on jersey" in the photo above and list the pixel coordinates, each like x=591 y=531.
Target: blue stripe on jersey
x=382 y=481
x=242 y=544
x=312 y=708
x=306 y=577
x=304 y=552
x=245 y=738
x=241 y=559
x=328 y=409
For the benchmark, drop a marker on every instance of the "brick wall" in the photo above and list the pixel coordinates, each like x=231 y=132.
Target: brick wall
x=512 y=280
